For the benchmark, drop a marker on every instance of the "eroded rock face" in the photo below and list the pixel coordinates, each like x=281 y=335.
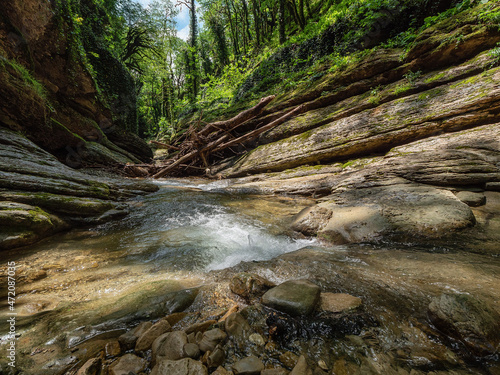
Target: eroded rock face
x=40 y=196
x=468 y=319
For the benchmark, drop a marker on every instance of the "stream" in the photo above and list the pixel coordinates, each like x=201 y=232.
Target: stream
x=93 y=283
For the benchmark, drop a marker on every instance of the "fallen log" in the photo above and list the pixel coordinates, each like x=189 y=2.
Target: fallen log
x=181 y=160
x=256 y=132
x=165 y=145
x=238 y=119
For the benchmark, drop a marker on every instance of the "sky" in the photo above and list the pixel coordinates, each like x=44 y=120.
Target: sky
x=182 y=20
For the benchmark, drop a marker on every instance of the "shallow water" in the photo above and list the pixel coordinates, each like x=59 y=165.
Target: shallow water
x=186 y=234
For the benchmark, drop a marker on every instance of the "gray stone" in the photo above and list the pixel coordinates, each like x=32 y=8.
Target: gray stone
x=216 y=358
x=222 y=371
x=248 y=366
x=147 y=338
x=472 y=199
x=294 y=297
x=185 y=366
x=199 y=327
x=236 y=325
x=170 y=346
x=468 y=319
x=126 y=364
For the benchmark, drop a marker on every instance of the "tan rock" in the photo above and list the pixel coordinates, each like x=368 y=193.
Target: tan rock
x=126 y=364
x=147 y=338
x=338 y=302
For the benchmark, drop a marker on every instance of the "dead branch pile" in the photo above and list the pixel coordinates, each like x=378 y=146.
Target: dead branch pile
x=201 y=147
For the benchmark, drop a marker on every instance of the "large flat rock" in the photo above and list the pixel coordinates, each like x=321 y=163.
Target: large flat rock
x=294 y=297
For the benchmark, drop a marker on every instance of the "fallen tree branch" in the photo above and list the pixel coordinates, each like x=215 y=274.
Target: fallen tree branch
x=239 y=118
x=165 y=145
x=256 y=132
x=167 y=169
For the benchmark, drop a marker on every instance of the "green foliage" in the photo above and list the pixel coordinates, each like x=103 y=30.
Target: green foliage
x=495 y=54
x=31 y=82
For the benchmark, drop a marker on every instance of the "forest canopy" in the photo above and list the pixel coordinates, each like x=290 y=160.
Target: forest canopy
x=237 y=51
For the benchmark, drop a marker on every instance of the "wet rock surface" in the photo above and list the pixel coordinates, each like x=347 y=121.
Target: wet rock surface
x=295 y=297
x=40 y=196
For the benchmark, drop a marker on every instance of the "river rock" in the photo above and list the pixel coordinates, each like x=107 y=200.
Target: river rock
x=301 y=368
x=294 y=297
x=471 y=198
x=112 y=349
x=91 y=367
x=175 y=318
x=338 y=302
x=192 y=350
x=126 y=364
x=249 y=286
x=211 y=339
x=237 y=325
x=186 y=366
x=222 y=371
x=248 y=366
x=216 y=358
x=468 y=319
x=199 y=327
x=147 y=338
x=275 y=371
x=170 y=346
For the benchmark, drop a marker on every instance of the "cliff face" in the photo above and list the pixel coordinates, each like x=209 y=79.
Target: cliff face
x=49 y=91
x=395 y=143
x=55 y=115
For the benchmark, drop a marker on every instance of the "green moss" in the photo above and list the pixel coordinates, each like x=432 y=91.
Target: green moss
x=402 y=88
x=435 y=77
x=25 y=75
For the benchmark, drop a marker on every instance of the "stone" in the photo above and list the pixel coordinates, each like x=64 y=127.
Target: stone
x=294 y=297
x=211 y=339
x=338 y=302
x=127 y=341
x=91 y=367
x=472 y=199
x=142 y=328
x=237 y=325
x=468 y=319
x=301 y=368
x=249 y=286
x=289 y=359
x=175 y=318
x=257 y=339
x=275 y=371
x=186 y=366
x=248 y=366
x=126 y=364
x=222 y=371
x=112 y=349
x=192 y=350
x=170 y=346
x=147 y=338
x=216 y=358
x=200 y=327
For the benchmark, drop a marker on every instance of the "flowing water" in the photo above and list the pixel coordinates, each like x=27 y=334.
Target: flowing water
x=85 y=282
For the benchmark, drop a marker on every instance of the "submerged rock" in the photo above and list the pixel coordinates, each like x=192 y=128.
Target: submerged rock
x=248 y=366
x=249 y=286
x=338 y=302
x=468 y=319
x=294 y=297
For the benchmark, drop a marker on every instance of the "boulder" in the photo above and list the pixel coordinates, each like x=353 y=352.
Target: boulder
x=248 y=366
x=126 y=364
x=147 y=338
x=112 y=349
x=468 y=319
x=192 y=350
x=294 y=297
x=185 y=366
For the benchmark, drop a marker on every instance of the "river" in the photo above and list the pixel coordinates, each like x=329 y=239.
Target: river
x=89 y=282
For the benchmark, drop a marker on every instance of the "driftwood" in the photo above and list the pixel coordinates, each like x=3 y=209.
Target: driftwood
x=198 y=148
x=166 y=145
